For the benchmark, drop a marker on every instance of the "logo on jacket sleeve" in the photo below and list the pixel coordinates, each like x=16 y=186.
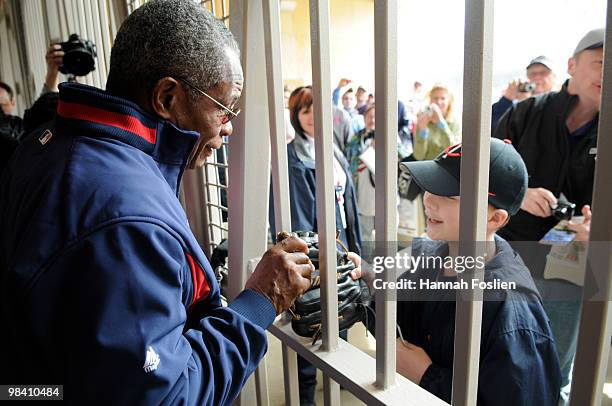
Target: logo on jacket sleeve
x=151 y=360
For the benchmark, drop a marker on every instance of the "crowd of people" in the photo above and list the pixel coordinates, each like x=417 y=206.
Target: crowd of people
x=99 y=266
x=554 y=137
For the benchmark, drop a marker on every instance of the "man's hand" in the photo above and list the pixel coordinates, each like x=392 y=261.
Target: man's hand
x=283 y=273
x=54 y=57
x=412 y=361
x=583 y=229
x=512 y=92
x=343 y=82
x=538 y=201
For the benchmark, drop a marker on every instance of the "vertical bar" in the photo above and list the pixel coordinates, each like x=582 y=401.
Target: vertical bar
x=53 y=20
x=261 y=383
x=213 y=199
x=224 y=9
x=107 y=34
x=326 y=213
x=248 y=213
x=90 y=34
x=280 y=176
x=477 y=83
x=195 y=206
x=290 y=376
x=385 y=51
x=97 y=29
x=594 y=340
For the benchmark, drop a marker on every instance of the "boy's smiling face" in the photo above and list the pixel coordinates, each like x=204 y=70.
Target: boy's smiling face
x=442 y=217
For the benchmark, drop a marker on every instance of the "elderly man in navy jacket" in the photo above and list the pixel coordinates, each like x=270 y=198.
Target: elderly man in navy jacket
x=104 y=287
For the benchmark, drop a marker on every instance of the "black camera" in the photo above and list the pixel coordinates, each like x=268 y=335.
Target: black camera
x=526 y=87
x=563 y=210
x=79 y=56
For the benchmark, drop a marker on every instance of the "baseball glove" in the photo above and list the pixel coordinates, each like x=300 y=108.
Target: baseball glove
x=353 y=296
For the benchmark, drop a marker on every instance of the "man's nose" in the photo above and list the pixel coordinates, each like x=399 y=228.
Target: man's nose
x=226 y=129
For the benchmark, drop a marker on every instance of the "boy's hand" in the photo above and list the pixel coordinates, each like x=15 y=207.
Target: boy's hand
x=412 y=361
x=583 y=229
x=360 y=273
x=538 y=201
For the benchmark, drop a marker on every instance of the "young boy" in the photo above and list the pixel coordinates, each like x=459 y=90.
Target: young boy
x=518 y=359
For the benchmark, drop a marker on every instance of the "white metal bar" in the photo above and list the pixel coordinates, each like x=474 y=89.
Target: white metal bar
x=592 y=353
x=326 y=213
x=477 y=84
x=248 y=194
x=53 y=20
x=108 y=34
x=63 y=19
x=193 y=190
x=81 y=29
x=385 y=49
x=290 y=376
x=97 y=29
x=355 y=370
x=280 y=175
x=89 y=34
x=213 y=199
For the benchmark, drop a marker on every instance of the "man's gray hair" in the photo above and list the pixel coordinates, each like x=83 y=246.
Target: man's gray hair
x=176 y=38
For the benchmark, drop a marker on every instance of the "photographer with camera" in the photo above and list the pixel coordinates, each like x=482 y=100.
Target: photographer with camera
x=556 y=134
x=437 y=128
x=75 y=57
x=540 y=79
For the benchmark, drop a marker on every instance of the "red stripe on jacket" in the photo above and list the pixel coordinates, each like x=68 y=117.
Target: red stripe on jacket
x=201 y=289
x=100 y=116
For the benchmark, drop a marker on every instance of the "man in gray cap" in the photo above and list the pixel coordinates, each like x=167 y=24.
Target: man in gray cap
x=556 y=134
x=540 y=79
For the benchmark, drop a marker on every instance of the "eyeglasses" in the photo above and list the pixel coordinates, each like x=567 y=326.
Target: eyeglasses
x=229 y=114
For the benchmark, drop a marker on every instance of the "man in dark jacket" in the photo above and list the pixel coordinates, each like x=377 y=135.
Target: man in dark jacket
x=104 y=287
x=539 y=74
x=9 y=125
x=556 y=134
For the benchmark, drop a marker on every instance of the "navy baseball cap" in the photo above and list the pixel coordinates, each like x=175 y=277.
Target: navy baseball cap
x=440 y=176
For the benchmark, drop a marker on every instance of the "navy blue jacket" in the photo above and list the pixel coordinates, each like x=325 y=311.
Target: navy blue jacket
x=104 y=287
x=498 y=110
x=302 y=189
x=518 y=358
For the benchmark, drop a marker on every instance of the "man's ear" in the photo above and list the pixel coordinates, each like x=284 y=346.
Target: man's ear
x=165 y=97
x=571 y=66
x=497 y=219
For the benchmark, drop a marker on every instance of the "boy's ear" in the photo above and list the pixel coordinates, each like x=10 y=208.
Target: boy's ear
x=497 y=219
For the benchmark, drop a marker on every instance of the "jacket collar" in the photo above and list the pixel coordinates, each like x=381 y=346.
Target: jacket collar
x=87 y=111
x=89 y=108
